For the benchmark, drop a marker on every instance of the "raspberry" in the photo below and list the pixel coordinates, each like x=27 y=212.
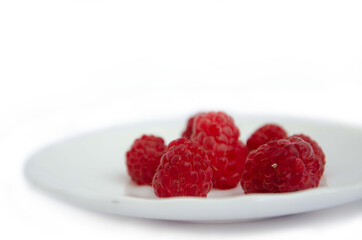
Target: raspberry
x=265 y=134
x=227 y=164
x=217 y=132
x=317 y=150
x=214 y=127
x=188 y=131
x=184 y=171
x=144 y=157
x=283 y=165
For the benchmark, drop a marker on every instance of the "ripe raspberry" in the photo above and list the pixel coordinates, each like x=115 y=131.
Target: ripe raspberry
x=227 y=164
x=316 y=148
x=184 y=171
x=217 y=132
x=214 y=127
x=144 y=157
x=283 y=165
x=188 y=131
x=265 y=134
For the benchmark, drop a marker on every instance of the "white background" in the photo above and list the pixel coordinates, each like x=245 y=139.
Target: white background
x=68 y=67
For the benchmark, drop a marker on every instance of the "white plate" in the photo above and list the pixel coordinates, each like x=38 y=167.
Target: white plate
x=90 y=171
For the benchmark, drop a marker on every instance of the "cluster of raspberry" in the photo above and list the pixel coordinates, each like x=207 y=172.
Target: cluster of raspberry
x=210 y=155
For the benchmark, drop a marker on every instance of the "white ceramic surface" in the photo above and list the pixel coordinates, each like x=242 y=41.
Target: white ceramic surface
x=90 y=171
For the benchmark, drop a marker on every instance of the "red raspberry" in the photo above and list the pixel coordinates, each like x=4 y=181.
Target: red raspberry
x=265 y=134
x=184 y=171
x=317 y=150
x=283 y=165
x=217 y=132
x=214 y=127
x=227 y=164
x=188 y=131
x=144 y=157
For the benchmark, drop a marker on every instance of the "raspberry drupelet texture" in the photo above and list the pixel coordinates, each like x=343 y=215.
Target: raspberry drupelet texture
x=227 y=164
x=283 y=165
x=217 y=132
x=316 y=148
x=144 y=157
x=190 y=123
x=265 y=134
x=184 y=171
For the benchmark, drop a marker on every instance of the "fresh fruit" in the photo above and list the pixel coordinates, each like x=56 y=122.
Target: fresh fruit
x=317 y=150
x=188 y=131
x=283 y=165
x=217 y=132
x=184 y=171
x=210 y=154
x=265 y=134
x=144 y=157
x=227 y=164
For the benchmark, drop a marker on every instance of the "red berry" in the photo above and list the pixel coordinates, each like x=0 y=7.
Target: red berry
x=214 y=127
x=184 y=171
x=227 y=164
x=265 y=134
x=283 y=165
x=188 y=131
x=144 y=157
x=317 y=150
x=217 y=132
